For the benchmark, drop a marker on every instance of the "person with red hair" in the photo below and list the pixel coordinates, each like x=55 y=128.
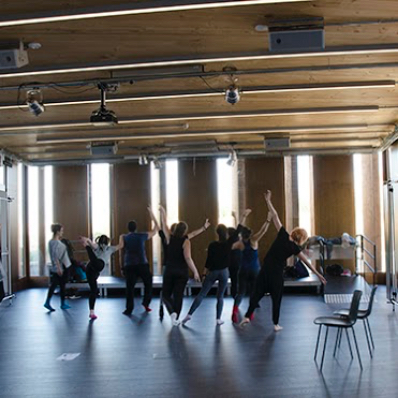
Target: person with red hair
x=270 y=277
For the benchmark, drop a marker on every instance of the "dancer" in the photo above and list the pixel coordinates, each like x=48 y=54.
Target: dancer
x=60 y=264
x=191 y=235
x=178 y=261
x=270 y=278
x=134 y=263
x=99 y=254
x=217 y=264
x=250 y=265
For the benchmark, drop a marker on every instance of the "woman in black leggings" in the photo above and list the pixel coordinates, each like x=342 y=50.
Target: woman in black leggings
x=99 y=254
x=270 y=277
x=178 y=263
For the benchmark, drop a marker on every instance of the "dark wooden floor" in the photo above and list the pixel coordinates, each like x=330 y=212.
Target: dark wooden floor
x=143 y=357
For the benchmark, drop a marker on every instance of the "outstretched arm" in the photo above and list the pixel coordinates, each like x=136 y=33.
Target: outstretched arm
x=120 y=246
x=244 y=217
x=304 y=259
x=189 y=261
x=199 y=230
x=272 y=212
x=233 y=214
x=155 y=229
x=163 y=222
x=257 y=236
x=88 y=242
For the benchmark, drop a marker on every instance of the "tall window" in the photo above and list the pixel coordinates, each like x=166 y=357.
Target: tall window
x=33 y=203
x=21 y=222
x=305 y=192
x=48 y=206
x=100 y=200
x=172 y=191
x=358 y=194
x=225 y=192
x=155 y=201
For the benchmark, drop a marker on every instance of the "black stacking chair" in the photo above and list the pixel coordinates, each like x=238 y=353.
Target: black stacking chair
x=364 y=316
x=340 y=322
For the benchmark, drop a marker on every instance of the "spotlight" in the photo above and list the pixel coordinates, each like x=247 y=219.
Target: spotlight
x=143 y=160
x=232 y=159
x=157 y=164
x=232 y=95
x=34 y=100
x=103 y=116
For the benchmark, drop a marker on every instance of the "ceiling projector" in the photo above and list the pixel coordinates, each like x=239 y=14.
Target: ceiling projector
x=103 y=116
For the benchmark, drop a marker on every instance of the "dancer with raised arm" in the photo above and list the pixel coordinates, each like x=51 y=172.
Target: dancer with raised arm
x=250 y=265
x=60 y=263
x=217 y=264
x=178 y=262
x=270 y=278
x=99 y=254
x=134 y=263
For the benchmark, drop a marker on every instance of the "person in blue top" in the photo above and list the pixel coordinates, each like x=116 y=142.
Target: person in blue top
x=134 y=263
x=249 y=266
x=270 y=278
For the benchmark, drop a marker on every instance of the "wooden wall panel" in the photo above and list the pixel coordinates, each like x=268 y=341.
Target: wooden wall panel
x=263 y=174
x=71 y=201
x=132 y=195
x=198 y=201
x=334 y=198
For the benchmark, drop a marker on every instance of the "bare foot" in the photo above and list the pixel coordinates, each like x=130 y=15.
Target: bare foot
x=244 y=322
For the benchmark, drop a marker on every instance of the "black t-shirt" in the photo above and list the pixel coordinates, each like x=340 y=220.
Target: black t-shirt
x=175 y=254
x=280 y=251
x=219 y=253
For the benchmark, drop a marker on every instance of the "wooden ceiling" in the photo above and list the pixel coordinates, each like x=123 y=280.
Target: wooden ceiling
x=171 y=69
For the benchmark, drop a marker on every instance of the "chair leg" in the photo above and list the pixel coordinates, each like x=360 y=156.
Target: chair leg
x=324 y=346
x=349 y=343
x=367 y=338
x=356 y=345
x=341 y=333
x=317 y=342
x=337 y=340
x=370 y=332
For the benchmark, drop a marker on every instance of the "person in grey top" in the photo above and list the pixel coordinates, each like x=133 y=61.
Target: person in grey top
x=99 y=253
x=59 y=267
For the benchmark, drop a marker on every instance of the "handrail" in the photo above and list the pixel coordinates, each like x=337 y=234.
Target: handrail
x=368 y=240
x=368 y=252
x=373 y=256
x=369 y=266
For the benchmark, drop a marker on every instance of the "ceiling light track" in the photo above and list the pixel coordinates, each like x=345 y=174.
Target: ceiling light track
x=257 y=56
x=209 y=116
x=207 y=93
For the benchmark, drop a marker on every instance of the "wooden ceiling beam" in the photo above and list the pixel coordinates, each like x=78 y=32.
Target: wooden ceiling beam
x=136 y=8
x=207 y=59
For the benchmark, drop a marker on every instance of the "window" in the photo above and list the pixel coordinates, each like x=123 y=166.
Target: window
x=358 y=193
x=305 y=192
x=21 y=221
x=172 y=191
x=100 y=200
x=225 y=192
x=155 y=201
x=33 y=210
x=48 y=207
